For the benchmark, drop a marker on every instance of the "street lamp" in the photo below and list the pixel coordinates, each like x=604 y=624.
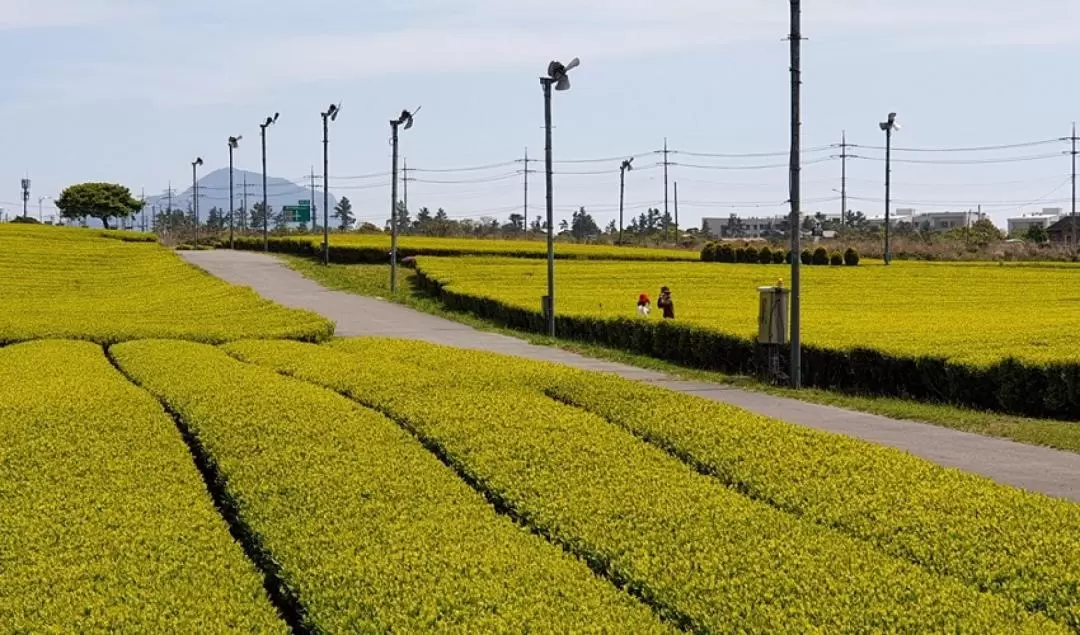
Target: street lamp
x=265 y=213
x=626 y=166
x=40 y=213
x=234 y=143
x=328 y=116
x=195 y=195
x=888 y=127
x=406 y=118
x=556 y=76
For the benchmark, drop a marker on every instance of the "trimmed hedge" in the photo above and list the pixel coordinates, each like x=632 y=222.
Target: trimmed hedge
x=1051 y=390
x=836 y=259
x=851 y=257
x=723 y=252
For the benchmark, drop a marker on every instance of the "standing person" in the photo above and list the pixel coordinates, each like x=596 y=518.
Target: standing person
x=665 y=303
x=643 y=305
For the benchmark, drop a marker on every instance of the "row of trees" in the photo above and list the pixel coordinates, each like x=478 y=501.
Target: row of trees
x=217 y=219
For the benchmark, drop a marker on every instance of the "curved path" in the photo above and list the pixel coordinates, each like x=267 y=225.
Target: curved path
x=1034 y=468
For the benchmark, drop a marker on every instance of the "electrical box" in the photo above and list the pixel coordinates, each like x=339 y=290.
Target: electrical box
x=545 y=306
x=773 y=315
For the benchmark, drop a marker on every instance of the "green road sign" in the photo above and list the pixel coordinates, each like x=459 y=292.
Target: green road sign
x=296 y=214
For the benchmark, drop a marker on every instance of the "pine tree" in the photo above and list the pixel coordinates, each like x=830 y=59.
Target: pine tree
x=344 y=214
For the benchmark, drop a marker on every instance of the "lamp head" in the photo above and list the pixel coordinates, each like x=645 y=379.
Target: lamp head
x=234 y=142
x=197 y=161
x=628 y=164
x=332 y=111
x=558 y=72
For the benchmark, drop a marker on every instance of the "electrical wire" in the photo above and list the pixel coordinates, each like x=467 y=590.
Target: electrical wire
x=1010 y=146
x=1036 y=157
x=748 y=155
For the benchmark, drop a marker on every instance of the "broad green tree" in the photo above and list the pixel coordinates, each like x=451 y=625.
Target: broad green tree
x=103 y=201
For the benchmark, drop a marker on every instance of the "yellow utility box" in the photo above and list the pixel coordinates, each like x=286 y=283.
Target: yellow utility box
x=773 y=315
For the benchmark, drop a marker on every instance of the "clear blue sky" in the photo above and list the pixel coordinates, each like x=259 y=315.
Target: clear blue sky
x=133 y=90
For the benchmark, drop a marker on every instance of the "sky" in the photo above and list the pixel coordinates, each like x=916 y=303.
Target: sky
x=132 y=91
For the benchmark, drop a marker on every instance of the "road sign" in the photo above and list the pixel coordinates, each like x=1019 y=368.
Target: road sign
x=296 y=214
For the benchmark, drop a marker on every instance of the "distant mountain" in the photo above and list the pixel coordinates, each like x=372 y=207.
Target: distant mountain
x=214 y=192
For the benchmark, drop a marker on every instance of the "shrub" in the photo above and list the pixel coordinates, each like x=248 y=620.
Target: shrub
x=851 y=257
x=765 y=255
x=778 y=257
x=708 y=253
x=836 y=259
x=806 y=258
x=751 y=255
x=821 y=256
x=27 y=220
x=740 y=254
x=725 y=253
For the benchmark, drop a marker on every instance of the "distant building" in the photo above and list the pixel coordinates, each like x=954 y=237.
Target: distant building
x=1018 y=226
x=901 y=215
x=1065 y=231
x=944 y=221
x=748 y=227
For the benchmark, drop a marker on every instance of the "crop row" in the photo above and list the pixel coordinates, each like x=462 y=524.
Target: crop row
x=369 y=530
x=1000 y=539
x=705 y=556
x=106 y=525
x=1017 y=544
x=77 y=284
x=992 y=338
x=375 y=249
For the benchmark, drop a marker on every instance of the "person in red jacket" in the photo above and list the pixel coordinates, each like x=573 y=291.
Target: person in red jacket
x=643 y=305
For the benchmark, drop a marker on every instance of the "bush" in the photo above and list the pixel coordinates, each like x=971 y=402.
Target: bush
x=27 y=220
x=725 y=253
x=836 y=259
x=806 y=258
x=751 y=256
x=821 y=256
x=708 y=253
x=765 y=256
x=851 y=257
x=740 y=254
x=778 y=257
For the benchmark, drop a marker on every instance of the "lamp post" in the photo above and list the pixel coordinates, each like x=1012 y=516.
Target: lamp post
x=195 y=195
x=888 y=126
x=795 y=186
x=405 y=120
x=328 y=116
x=234 y=143
x=557 y=77
x=626 y=166
x=265 y=213
x=40 y=212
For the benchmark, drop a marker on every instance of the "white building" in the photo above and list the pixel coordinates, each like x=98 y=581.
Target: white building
x=1019 y=225
x=944 y=221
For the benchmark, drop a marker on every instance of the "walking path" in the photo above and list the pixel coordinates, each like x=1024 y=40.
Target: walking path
x=1034 y=468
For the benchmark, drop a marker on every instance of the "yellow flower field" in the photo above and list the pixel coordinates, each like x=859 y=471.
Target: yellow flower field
x=78 y=283
x=973 y=315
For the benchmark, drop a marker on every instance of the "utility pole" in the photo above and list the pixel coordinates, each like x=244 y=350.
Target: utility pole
x=265 y=211
x=666 y=163
x=25 y=195
x=795 y=169
x=844 y=156
x=243 y=210
x=676 y=213
x=525 y=177
x=143 y=209
x=888 y=127
x=405 y=184
x=168 y=212
x=1072 y=221
x=314 y=207
x=626 y=166
x=234 y=143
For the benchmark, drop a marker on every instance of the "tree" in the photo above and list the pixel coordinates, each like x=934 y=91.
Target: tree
x=344 y=214
x=215 y=220
x=1037 y=234
x=258 y=214
x=564 y=225
x=582 y=225
x=611 y=229
x=517 y=222
x=423 y=220
x=538 y=225
x=98 y=200
x=734 y=226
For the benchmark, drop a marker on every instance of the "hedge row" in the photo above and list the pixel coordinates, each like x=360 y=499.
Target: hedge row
x=105 y=523
x=725 y=252
x=706 y=557
x=1023 y=546
x=356 y=253
x=370 y=530
x=1011 y=386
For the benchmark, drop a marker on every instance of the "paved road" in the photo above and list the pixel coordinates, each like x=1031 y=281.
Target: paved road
x=1039 y=469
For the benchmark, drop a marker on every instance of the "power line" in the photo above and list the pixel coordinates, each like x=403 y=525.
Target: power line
x=1021 y=159
x=1010 y=146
